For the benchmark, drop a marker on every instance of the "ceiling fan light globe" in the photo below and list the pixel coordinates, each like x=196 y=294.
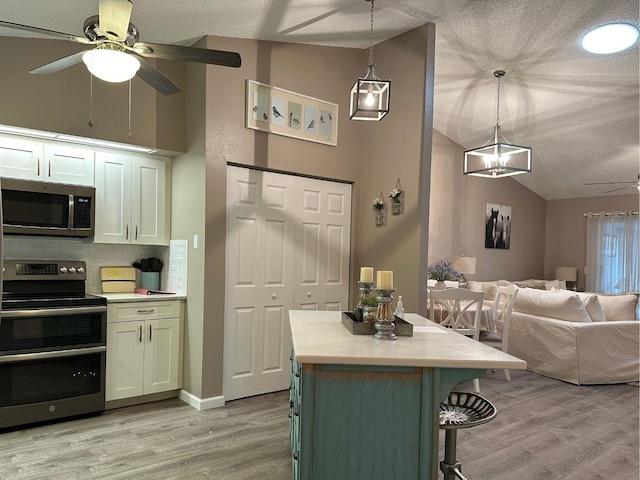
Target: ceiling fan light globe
x=111 y=65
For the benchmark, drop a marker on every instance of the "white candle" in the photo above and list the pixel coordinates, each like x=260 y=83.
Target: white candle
x=366 y=274
x=385 y=280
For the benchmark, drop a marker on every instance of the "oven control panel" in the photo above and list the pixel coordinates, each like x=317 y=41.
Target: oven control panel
x=44 y=270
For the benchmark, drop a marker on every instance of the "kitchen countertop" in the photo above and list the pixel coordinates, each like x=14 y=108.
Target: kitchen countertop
x=138 y=297
x=319 y=337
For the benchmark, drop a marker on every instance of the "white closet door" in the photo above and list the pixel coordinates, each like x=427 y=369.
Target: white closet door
x=259 y=264
x=287 y=248
x=321 y=256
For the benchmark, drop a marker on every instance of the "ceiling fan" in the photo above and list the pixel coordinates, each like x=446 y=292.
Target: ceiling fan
x=635 y=183
x=115 y=38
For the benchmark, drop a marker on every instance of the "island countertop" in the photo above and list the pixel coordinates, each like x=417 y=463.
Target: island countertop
x=319 y=337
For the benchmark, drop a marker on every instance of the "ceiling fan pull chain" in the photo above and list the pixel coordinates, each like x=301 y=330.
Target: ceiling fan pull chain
x=90 y=100
x=129 y=134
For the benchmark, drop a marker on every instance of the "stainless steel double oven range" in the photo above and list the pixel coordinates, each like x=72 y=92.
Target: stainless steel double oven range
x=52 y=343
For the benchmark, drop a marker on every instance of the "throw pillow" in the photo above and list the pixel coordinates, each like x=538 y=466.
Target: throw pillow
x=551 y=284
x=490 y=289
x=593 y=307
x=561 y=305
x=619 y=307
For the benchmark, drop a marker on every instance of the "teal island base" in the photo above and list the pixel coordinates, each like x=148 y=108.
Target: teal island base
x=350 y=422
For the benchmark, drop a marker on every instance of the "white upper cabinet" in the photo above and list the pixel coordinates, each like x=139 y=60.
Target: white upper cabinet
x=20 y=158
x=132 y=199
x=66 y=164
x=47 y=161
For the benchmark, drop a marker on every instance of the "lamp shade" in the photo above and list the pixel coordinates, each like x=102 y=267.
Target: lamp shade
x=464 y=264
x=568 y=274
x=111 y=65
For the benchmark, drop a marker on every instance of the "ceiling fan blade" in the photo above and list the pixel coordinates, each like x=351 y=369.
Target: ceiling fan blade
x=114 y=18
x=156 y=79
x=607 y=183
x=188 y=54
x=618 y=189
x=60 y=64
x=44 y=31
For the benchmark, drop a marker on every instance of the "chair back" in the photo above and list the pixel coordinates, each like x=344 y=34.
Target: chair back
x=503 y=306
x=460 y=309
x=501 y=313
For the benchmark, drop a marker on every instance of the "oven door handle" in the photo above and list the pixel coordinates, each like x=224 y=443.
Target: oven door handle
x=43 y=312
x=25 y=357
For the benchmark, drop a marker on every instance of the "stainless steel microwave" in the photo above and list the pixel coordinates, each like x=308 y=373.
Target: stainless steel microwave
x=41 y=208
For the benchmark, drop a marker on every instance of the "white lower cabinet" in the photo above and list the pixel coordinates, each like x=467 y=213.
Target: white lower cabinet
x=144 y=348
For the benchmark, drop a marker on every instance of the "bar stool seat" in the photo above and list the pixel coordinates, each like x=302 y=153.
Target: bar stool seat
x=461 y=410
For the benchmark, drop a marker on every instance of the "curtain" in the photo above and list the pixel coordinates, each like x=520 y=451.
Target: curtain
x=612 y=252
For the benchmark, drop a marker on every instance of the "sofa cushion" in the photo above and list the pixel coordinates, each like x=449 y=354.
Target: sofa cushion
x=490 y=289
x=619 y=307
x=562 y=305
x=593 y=307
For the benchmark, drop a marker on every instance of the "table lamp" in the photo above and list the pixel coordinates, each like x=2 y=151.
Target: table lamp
x=568 y=274
x=464 y=265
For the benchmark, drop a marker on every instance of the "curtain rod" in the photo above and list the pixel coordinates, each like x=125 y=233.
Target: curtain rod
x=609 y=214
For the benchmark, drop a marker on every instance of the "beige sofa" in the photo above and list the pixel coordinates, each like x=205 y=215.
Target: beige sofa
x=580 y=338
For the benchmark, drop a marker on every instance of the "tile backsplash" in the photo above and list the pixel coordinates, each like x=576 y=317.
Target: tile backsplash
x=95 y=254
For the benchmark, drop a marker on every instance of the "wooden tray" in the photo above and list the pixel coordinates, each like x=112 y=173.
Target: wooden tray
x=403 y=328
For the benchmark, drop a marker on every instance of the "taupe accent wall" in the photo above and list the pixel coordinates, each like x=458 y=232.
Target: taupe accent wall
x=457 y=218
x=61 y=102
x=566 y=239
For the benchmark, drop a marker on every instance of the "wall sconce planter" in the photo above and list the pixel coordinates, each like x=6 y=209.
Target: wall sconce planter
x=397 y=199
x=380 y=210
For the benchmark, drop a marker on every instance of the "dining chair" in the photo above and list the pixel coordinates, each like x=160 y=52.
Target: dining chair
x=459 y=309
x=501 y=313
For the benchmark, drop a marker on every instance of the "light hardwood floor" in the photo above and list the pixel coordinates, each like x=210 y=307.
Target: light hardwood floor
x=545 y=429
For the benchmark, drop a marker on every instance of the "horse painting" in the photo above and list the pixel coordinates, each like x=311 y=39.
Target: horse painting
x=497 y=226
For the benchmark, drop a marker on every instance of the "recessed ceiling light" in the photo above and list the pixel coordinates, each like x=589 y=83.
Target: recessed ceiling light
x=610 y=38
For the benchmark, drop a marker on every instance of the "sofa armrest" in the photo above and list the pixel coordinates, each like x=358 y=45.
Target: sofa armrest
x=577 y=352
x=609 y=352
x=549 y=346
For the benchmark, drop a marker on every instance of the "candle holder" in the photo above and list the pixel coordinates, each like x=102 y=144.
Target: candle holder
x=384 y=318
x=365 y=290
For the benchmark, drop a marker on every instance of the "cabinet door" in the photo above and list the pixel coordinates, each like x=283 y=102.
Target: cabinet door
x=66 y=164
x=113 y=198
x=125 y=358
x=20 y=158
x=149 y=209
x=162 y=355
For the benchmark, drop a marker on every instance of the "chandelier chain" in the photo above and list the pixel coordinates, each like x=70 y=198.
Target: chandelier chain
x=371 y=36
x=498 y=103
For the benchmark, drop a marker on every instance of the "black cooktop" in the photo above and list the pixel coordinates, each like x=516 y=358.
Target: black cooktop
x=21 y=302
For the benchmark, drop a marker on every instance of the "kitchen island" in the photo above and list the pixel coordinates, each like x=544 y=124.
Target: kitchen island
x=368 y=409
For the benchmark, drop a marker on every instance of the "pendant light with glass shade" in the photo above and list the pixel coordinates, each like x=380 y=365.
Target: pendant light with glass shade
x=497 y=157
x=370 y=95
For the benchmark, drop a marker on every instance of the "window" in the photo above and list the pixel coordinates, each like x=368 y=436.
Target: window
x=613 y=249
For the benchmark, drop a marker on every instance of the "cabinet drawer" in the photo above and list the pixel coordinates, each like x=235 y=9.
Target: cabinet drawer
x=119 y=312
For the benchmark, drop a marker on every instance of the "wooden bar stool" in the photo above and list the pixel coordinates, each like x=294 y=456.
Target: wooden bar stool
x=461 y=410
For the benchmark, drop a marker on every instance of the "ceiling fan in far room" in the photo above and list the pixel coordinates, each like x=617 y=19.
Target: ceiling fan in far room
x=625 y=185
x=116 y=40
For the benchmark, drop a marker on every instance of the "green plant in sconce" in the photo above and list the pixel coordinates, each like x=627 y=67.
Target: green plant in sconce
x=370 y=301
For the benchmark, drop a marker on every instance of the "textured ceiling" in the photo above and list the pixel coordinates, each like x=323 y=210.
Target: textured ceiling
x=579 y=112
